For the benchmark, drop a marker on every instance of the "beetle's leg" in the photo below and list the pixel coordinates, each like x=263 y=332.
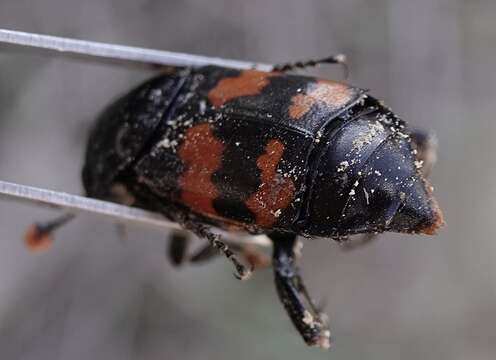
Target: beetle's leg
x=333 y=59
x=202 y=231
x=178 y=245
x=182 y=217
x=310 y=323
x=38 y=236
x=251 y=254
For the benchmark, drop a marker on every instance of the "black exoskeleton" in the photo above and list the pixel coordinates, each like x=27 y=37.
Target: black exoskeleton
x=262 y=152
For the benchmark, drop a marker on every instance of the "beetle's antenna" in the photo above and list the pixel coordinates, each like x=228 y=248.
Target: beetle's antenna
x=120 y=52
x=39 y=235
x=122 y=213
x=333 y=59
x=75 y=203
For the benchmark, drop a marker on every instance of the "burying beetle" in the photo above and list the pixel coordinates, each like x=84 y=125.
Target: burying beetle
x=263 y=152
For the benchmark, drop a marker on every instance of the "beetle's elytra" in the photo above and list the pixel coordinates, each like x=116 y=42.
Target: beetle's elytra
x=268 y=152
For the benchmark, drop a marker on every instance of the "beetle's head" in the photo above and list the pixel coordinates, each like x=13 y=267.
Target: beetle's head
x=370 y=180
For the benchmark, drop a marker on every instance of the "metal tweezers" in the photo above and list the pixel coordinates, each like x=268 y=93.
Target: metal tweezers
x=103 y=51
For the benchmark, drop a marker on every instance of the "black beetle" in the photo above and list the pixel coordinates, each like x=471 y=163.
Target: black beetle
x=262 y=152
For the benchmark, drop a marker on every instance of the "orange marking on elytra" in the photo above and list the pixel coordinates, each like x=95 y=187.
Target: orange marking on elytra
x=249 y=82
x=275 y=192
x=201 y=152
x=331 y=93
x=300 y=105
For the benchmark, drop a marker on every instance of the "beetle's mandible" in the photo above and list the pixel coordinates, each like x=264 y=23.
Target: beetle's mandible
x=263 y=152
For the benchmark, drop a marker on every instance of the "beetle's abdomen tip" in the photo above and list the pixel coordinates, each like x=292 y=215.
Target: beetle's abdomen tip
x=437 y=220
x=418 y=212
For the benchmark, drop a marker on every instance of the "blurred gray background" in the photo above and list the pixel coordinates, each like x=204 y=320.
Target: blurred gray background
x=97 y=296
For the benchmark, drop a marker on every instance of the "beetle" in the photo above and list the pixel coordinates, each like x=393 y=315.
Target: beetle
x=277 y=153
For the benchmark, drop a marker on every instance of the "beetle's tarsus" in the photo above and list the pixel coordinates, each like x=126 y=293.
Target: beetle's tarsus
x=242 y=273
x=311 y=324
x=202 y=231
x=256 y=258
x=333 y=59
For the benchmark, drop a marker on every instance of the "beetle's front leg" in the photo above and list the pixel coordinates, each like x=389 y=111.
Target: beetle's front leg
x=307 y=319
x=253 y=256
